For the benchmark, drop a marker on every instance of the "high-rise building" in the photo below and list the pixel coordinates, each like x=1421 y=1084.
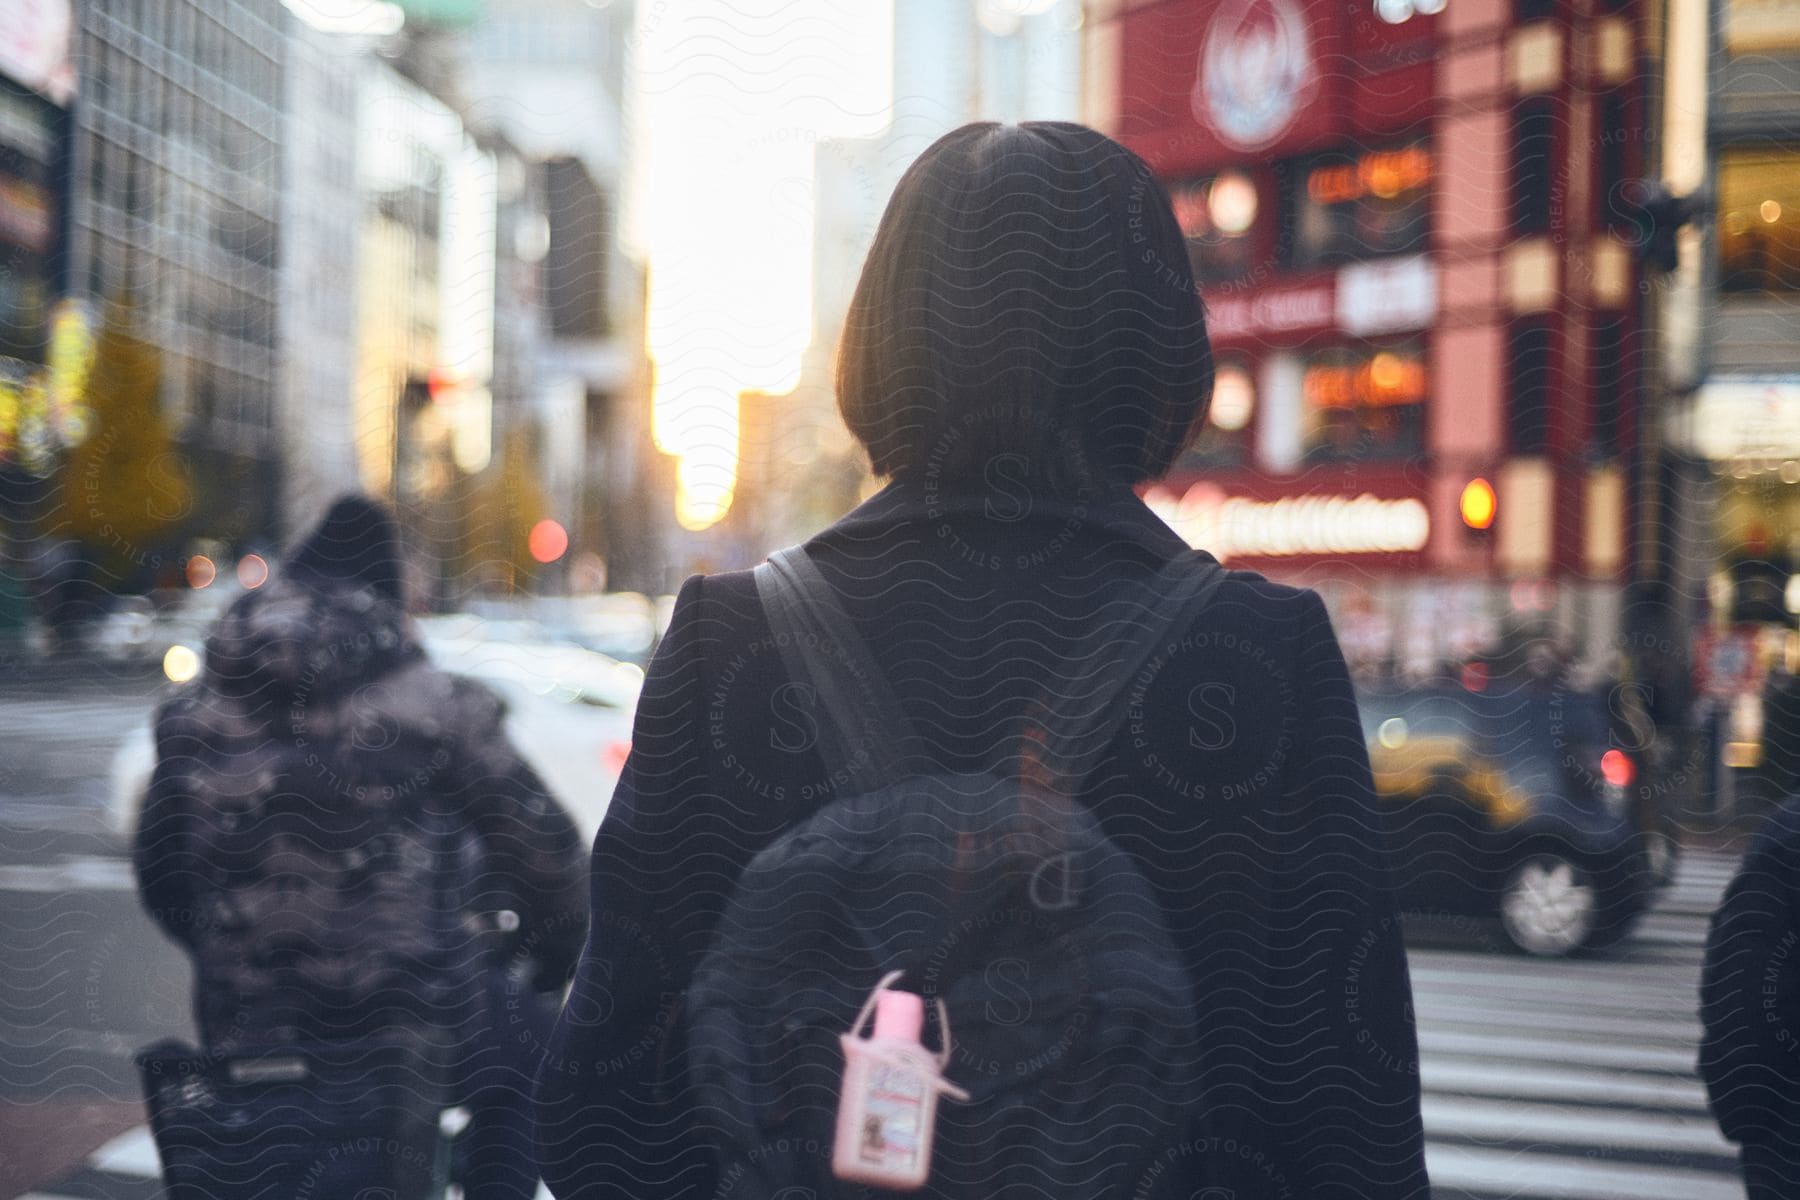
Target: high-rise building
x=548 y=76
x=34 y=90
x=1727 y=478
x=173 y=223
x=1746 y=415
x=36 y=85
x=320 y=229
x=1422 y=297
x=422 y=416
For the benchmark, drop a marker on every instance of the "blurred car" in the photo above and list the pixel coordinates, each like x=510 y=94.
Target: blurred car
x=569 y=711
x=620 y=625
x=1518 y=802
x=127 y=633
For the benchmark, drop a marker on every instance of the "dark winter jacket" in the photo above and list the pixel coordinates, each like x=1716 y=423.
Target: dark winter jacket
x=1750 y=992
x=331 y=820
x=1239 y=782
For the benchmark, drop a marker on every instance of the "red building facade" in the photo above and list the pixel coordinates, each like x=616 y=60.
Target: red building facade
x=1412 y=243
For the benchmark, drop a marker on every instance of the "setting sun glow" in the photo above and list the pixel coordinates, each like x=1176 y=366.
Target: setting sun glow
x=732 y=102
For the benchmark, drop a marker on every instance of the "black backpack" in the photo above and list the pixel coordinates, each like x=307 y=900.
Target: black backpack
x=1069 y=1009
x=319 y=1111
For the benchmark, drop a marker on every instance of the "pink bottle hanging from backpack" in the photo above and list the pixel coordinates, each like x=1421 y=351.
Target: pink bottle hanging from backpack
x=887 y=1108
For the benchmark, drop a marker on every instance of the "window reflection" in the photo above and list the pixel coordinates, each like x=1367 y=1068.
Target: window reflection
x=1218 y=216
x=1365 y=401
x=1349 y=206
x=1759 y=220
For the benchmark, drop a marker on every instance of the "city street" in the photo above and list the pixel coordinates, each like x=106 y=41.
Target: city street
x=86 y=978
x=1462 y=338
x=1567 y=1080
x=1574 y=1080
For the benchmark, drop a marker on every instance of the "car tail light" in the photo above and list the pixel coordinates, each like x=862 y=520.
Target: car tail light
x=613 y=755
x=1617 y=768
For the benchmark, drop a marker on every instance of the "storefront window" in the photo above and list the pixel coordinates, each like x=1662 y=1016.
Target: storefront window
x=1759 y=220
x=1350 y=205
x=1218 y=216
x=1365 y=401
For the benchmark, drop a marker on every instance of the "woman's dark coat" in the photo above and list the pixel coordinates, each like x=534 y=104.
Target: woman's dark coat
x=1750 y=993
x=316 y=718
x=1239 y=781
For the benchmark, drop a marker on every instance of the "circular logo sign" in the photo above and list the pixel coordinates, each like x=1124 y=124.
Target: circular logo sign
x=1255 y=71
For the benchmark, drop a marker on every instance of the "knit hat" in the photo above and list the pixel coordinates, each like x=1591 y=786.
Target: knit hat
x=357 y=544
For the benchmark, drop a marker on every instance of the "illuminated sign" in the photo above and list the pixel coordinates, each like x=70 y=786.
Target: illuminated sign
x=1748 y=417
x=34 y=46
x=1383 y=378
x=1255 y=72
x=1383 y=174
x=1305 y=309
x=1240 y=527
x=1386 y=296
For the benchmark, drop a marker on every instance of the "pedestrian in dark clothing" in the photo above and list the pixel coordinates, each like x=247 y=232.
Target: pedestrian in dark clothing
x=1781 y=730
x=1025 y=345
x=314 y=790
x=1750 y=1009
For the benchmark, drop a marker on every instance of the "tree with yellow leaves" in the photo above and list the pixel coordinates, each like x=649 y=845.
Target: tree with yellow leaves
x=125 y=487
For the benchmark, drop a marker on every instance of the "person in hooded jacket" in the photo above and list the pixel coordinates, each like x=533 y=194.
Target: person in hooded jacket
x=1025 y=345
x=334 y=829
x=1750 y=1009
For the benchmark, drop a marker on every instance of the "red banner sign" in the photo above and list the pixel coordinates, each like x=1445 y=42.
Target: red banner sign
x=1266 y=312
x=1212 y=81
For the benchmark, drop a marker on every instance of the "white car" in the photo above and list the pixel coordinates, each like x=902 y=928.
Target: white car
x=569 y=711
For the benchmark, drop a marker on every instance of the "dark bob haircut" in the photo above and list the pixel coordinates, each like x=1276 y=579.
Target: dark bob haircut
x=1028 y=296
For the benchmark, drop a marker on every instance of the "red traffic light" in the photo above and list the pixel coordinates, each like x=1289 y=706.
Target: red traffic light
x=443 y=384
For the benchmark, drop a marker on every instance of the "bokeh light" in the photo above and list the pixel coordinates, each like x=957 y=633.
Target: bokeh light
x=181 y=663
x=548 y=541
x=1233 y=399
x=1479 y=504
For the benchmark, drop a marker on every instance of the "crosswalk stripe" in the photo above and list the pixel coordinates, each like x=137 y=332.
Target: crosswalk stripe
x=77 y=873
x=1543 y=1081
x=1519 y=1049
x=131 y=1153
x=1510 y=1174
x=1563 y=1124
x=1449 y=1012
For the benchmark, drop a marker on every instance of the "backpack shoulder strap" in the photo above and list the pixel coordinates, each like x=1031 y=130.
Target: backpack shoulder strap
x=1080 y=726
x=864 y=736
